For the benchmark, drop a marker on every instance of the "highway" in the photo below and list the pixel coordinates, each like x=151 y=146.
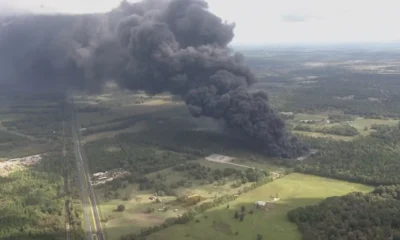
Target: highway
x=66 y=189
x=87 y=194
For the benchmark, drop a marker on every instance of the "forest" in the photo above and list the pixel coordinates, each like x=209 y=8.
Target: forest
x=373 y=216
x=33 y=203
x=35 y=199
x=371 y=160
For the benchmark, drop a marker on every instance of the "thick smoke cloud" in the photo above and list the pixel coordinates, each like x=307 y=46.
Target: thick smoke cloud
x=46 y=51
x=157 y=46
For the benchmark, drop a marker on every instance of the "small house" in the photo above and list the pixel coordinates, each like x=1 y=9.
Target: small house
x=260 y=204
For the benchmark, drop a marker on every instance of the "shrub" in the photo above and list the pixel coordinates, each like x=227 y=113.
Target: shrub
x=121 y=208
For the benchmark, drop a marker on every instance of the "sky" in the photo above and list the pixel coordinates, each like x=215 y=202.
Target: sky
x=273 y=21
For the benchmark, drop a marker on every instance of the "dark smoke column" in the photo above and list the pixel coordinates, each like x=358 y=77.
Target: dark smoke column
x=154 y=45
x=180 y=47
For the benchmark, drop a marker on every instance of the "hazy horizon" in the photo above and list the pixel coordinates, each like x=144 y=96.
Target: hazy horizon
x=266 y=22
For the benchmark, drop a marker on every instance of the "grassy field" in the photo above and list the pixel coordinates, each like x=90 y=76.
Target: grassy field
x=118 y=104
x=141 y=126
x=90 y=118
x=322 y=135
x=137 y=202
x=294 y=190
x=363 y=125
x=16 y=144
x=135 y=216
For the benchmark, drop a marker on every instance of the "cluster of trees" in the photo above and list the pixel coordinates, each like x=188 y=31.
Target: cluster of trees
x=190 y=215
x=40 y=115
x=372 y=160
x=331 y=93
x=242 y=213
x=32 y=203
x=303 y=128
x=6 y=137
x=33 y=200
x=341 y=130
x=130 y=156
x=337 y=118
x=179 y=135
x=114 y=125
x=40 y=125
x=185 y=218
x=200 y=172
x=194 y=170
x=355 y=216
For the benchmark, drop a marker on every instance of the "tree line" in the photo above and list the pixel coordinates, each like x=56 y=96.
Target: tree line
x=370 y=160
x=193 y=212
x=356 y=216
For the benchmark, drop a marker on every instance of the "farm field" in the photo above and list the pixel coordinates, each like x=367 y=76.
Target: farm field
x=314 y=122
x=294 y=190
x=137 y=216
x=114 y=105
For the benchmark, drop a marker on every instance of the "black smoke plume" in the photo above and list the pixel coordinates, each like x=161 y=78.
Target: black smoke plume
x=157 y=46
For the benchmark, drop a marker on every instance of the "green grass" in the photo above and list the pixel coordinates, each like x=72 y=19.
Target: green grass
x=295 y=190
x=312 y=116
x=4 y=117
x=135 y=217
x=361 y=123
x=322 y=135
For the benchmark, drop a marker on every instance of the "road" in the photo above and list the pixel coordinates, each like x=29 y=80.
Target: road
x=66 y=189
x=87 y=194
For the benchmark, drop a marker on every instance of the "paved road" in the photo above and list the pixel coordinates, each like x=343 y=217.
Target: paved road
x=81 y=177
x=87 y=193
x=66 y=189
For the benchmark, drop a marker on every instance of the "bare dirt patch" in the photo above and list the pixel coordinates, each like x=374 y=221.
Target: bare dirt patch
x=8 y=166
x=219 y=158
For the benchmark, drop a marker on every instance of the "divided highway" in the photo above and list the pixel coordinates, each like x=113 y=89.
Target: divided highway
x=66 y=188
x=87 y=194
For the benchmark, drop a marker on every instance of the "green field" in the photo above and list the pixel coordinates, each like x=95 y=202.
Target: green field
x=321 y=135
x=134 y=217
x=363 y=125
x=294 y=190
x=115 y=104
x=137 y=202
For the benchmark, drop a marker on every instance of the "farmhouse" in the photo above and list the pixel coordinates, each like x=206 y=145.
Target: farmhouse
x=260 y=204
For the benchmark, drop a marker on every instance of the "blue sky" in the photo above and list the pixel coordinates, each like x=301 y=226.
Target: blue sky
x=276 y=21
